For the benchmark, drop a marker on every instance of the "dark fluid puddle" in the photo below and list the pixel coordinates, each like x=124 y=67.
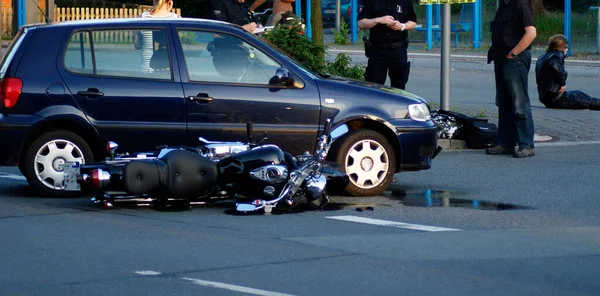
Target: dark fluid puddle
x=446 y=199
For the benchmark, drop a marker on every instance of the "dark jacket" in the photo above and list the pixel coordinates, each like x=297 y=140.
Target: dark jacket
x=550 y=75
x=230 y=11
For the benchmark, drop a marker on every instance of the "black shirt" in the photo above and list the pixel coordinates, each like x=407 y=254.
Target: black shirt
x=508 y=26
x=402 y=11
x=230 y=11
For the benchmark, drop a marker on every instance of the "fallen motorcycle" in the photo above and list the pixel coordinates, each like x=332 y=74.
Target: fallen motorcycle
x=258 y=176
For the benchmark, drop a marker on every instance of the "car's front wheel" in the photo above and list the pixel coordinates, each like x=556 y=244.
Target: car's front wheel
x=369 y=161
x=45 y=159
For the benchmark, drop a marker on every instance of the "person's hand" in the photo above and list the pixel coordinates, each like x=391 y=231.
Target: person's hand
x=385 y=20
x=510 y=57
x=562 y=89
x=250 y=27
x=396 y=25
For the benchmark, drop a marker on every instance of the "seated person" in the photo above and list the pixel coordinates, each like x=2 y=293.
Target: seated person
x=280 y=7
x=551 y=78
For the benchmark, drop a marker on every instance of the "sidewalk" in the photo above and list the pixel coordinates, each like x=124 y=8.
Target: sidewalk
x=465 y=59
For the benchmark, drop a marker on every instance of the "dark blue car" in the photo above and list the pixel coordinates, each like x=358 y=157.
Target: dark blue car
x=68 y=88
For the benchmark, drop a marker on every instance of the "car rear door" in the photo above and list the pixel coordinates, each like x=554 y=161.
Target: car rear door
x=128 y=101
x=225 y=81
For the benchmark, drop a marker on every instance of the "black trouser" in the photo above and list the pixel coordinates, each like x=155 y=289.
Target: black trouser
x=381 y=60
x=573 y=99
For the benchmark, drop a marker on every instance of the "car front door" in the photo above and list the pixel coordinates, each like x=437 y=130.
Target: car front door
x=130 y=92
x=226 y=85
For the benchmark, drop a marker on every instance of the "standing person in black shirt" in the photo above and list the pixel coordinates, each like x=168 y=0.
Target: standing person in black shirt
x=232 y=11
x=388 y=21
x=513 y=30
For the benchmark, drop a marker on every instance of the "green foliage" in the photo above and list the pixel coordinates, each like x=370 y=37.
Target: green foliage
x=289 y=40
x=342 y=66
x=188 y=38
x=341 y=37
x=311 y=55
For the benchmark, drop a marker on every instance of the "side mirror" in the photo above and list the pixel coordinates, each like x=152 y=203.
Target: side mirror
x=282 y=78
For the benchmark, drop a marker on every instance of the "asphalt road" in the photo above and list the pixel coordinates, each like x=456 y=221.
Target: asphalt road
x=471 y=225
x=535 y=232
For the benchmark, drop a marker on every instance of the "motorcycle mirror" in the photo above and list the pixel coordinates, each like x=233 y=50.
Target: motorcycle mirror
x=245 y=208
x=111 y=147
x=339 y=131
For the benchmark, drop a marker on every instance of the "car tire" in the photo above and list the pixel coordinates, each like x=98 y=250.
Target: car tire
x=369 y=161
x=45 y=156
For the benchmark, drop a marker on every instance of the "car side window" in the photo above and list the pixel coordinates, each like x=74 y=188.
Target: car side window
x=224 y=58
x=78 y=58
x=120 y=53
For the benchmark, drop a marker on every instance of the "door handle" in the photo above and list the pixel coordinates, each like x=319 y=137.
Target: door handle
x=201 y=98
x=90 y=93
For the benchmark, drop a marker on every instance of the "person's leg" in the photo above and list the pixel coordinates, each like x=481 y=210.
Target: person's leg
x=506 y=110
x=273 y=19
x=575 y=99
x=377 y=67
x=399 y=68
x=516 y=76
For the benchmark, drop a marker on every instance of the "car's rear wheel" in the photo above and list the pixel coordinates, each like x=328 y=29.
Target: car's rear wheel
x=369 y=161
x=46 y=156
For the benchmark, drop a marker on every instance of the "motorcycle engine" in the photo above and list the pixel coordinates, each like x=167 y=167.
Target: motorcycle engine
x=260 y=172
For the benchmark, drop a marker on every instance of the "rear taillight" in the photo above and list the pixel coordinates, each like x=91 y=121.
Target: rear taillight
x=10 y=90
x=99 y=179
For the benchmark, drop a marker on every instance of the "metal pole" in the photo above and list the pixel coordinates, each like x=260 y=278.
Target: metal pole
x=568 y=25
x=598 y=32
x=354 y=20
x=50 y=10
x=299 y=9
x=308 y=21
x=429 y=20
x=445 y=69
x=476 y=23
x=338 y=14
x=597 y=9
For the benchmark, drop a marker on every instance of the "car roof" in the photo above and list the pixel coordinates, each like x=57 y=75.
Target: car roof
x=145 y=20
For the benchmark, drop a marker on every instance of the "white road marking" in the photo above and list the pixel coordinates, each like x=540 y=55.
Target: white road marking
x=11 y=176
x=234 y=288
x=392 y=223
x=148 y=272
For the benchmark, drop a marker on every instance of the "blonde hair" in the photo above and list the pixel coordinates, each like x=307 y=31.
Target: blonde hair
x=557 y=42
x=158 y=4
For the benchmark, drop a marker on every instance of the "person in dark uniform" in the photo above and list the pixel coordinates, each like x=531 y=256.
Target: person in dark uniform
x=388 y=21
x=229 y=56
x=513 y=31
x=232 y=11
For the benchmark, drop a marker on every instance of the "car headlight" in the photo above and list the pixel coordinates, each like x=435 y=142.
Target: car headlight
x=419 y=112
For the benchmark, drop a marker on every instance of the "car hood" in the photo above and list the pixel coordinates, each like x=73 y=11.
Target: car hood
x=362 y=97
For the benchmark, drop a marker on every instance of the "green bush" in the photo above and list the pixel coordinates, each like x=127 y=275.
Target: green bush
x=342 y=66
x=311 y=55
x=341 y=37
x=289 y=40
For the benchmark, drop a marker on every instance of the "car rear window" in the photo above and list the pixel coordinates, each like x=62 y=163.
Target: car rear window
x=10 y=53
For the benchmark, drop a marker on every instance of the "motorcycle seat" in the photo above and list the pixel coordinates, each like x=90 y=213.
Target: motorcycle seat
x=143 y=176
x=190 y=174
